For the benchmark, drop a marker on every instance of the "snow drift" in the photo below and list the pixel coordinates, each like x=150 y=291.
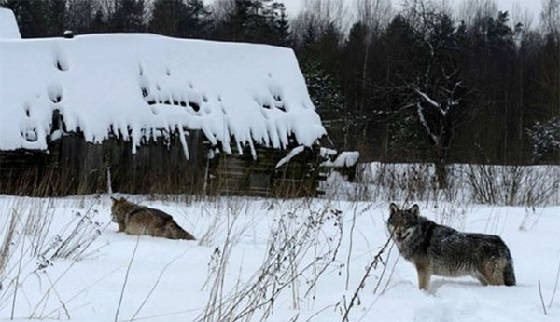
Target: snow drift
x=141 y=86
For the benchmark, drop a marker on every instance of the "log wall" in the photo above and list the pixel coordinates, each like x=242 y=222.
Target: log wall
x=240 y=174
x=74 y=166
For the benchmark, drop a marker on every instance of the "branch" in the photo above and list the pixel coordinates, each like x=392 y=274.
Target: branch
x=434 y=137
x=431 y=101
x=372 y=265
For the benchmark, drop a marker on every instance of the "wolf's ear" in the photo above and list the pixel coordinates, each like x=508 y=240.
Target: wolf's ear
x=415 y=210
x=393 y=208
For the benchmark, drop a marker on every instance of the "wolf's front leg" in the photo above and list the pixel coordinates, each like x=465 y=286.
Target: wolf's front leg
x=424 y=274
x=121 y=227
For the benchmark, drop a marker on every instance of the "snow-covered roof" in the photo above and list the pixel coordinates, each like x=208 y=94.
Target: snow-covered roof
x=8 y=25
x=141 y=84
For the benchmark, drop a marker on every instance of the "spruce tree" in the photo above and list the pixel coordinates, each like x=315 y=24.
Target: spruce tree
x=255 y=21
x=178 y=18
x=166 y=17
x=78 y=16
x=56 y=10
x=99 y=23
x=128 y=16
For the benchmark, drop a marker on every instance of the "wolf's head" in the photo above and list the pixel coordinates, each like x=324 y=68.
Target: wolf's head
x=401 y=222
x=119 y=208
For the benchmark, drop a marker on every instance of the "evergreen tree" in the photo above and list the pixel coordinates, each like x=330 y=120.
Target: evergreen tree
x=256 y=21
x=545 y=138
x=281 y=24
x=99 y=23
x=56 y=10
x=197 y=19
x=322 y=88
x=180 y=19
x=328 y=100
x=128 y=16
x=354 y=49
x=78 y=16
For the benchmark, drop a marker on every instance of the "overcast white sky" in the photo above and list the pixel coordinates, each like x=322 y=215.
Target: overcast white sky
x=534 y=6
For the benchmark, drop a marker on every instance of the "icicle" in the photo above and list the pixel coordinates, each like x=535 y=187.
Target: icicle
x=109 y=188
x=135 y=142
x=239 y=147
x=183 y=141
x=252 y=146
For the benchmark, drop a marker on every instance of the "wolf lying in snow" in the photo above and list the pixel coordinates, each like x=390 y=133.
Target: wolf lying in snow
x=137 y=220
x=440 y=250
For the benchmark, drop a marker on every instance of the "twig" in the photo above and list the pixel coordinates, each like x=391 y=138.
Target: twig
x=151 y=317
x=383 y=272
x=155 y=285
x=542 y=301
x=62 y=304
x=555 y=286
x=350 y=248
x=17 y=283
x=45 y=296
x=391 y=273
x=318 y=312
x=126 y=277
x=371 y=266
x=5 y=252
x=72 y=298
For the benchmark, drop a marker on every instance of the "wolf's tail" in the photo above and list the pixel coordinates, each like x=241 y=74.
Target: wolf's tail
x=509 y=276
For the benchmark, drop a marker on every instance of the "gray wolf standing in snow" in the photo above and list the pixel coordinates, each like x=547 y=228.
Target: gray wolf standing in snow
x=440 y=250
x=137 y=220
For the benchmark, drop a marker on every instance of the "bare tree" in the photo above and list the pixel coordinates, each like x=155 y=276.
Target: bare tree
x=79 y=14
x=375 y=14
x=472 y=10
x=318 y=15
x=220 y=9
x=521 y=15
x=550 y=18
x=438 y=92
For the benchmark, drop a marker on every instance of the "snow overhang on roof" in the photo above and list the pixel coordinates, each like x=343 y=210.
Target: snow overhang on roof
x=8 y=24
x=138 y=85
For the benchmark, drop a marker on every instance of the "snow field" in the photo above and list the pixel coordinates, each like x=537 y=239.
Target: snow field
x=175 y=279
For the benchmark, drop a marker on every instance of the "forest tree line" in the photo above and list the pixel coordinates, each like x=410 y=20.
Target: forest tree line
x=422 y=82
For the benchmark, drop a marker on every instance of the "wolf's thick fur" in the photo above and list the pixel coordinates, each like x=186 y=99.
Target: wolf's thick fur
x=137 y=220
x=440 y=250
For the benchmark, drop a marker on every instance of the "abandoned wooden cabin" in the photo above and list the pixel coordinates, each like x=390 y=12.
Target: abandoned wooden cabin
x=153 y=115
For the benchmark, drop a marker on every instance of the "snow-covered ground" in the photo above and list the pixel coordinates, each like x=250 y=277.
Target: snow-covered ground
x=530 y=186
x=175 y=280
